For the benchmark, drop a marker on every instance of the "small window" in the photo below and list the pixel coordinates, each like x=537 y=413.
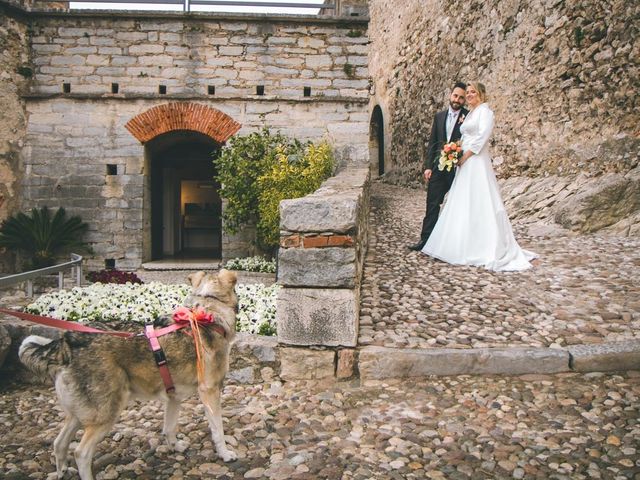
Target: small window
x=66 y=87
x=162 y=89
x=211 y=90
x=260 y=90
x=115 y=88
x=109 y=263
x=112 y=169
x=307 y=91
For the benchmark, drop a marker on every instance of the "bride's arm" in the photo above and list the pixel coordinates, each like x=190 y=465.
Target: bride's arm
x=479 y=140
x=485 y=127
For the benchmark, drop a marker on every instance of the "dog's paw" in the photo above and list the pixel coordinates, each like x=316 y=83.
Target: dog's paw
x=228 y=455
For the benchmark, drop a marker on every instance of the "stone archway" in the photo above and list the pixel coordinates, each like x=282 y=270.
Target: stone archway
x=183 y=116
x=182 y=206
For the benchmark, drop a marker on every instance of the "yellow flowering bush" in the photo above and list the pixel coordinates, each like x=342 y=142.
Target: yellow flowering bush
x=258 y=170
x=290 y=176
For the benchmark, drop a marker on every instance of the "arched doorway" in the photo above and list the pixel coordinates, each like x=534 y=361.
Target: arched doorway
x=186 y=208
x=182 y=205
x=376 y=141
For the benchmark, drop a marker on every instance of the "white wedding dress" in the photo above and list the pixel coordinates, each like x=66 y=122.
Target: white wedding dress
x=473 y=227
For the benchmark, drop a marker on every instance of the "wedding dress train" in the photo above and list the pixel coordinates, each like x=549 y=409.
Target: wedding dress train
x=473 y=227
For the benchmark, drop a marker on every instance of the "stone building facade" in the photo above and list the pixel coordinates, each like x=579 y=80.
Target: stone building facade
x=123 y=109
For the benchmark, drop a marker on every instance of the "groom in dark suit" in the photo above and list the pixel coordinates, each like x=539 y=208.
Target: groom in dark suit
x=445 y=129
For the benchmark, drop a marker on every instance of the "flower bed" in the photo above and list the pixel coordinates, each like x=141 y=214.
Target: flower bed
x=138 y=304
x=252 y=264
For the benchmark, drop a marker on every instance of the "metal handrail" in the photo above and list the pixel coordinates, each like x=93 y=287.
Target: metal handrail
x=231 y=3
x=75 y=263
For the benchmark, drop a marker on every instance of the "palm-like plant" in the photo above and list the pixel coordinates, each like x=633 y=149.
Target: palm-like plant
x=41 y=236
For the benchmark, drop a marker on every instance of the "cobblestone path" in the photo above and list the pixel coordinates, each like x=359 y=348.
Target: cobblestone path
x=565 y=426
x=583 y=289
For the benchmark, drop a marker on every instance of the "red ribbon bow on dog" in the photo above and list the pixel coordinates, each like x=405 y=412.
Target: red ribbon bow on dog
x=195 y=316
x=184 y=314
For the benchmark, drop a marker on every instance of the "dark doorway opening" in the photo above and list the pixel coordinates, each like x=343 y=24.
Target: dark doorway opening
x=376 y=140
x=186 y=208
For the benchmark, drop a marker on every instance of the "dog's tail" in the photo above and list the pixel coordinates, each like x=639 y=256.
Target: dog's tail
x=43 y=356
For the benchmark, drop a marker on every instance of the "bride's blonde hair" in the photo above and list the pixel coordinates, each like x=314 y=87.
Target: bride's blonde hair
x=480 y=88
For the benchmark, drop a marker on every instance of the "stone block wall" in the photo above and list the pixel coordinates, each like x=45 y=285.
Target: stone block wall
x=15 y=72
x=76 y=120
x=192 y=55
x=69 y=142
x=323 y=240
x=560 y=77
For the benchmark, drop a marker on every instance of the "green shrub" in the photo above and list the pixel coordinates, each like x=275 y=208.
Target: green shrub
x=290 y=177
x=258 y=170
x=41 y=237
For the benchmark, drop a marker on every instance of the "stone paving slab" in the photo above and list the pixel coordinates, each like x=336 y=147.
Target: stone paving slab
x=542 y=427
x=384 y=362
x=583 y=290
x=606 y=357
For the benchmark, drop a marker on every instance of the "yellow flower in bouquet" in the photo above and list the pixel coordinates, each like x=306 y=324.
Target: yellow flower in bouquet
x=449 y=156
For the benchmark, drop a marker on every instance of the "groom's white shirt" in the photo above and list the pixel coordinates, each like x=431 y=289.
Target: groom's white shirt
x=452 y=118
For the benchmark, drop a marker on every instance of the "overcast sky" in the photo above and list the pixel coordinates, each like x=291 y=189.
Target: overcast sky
x=204 y=8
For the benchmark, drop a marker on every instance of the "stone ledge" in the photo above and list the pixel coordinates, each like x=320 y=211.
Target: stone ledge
x=381 y=362
x=188 y=96
x=606 y=357
x=333 y=208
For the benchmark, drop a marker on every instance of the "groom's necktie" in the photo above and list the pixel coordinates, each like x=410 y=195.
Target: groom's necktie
x=451 y=121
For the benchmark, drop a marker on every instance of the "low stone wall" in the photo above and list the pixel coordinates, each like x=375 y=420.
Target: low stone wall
x=323 y=239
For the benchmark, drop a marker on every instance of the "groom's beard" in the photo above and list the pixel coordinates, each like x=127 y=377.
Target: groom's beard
x=455 y=105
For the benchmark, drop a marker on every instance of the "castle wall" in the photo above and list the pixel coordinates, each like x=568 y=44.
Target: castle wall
x=190 y=54
x=561 y=78
x=76 y=121
x=70 y=142
x=14 y=77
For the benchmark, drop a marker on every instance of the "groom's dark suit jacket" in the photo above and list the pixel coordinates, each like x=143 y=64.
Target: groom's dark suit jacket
x=440 y=181
x=439 y=137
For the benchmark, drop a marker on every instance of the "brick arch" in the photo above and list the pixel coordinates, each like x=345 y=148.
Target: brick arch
x=182 y=116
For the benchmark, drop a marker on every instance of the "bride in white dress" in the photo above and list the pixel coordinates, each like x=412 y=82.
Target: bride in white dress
x=473 y=228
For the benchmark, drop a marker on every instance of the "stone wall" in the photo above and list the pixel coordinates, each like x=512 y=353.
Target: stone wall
x=190 y=55
x=15 y=72
x=94 y=72
x=561 y=77
x=323 y=239
x=70 y=141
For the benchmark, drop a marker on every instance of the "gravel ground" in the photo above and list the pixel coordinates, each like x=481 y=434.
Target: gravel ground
x=566 y=426
x=583 y=289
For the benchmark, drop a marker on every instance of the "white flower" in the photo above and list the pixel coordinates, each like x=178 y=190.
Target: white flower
x=142 y=303
x=252 y=264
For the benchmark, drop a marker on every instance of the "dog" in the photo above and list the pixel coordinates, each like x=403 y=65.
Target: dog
x=96 y=375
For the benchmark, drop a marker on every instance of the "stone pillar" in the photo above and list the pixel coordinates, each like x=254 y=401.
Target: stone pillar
x=323 y=238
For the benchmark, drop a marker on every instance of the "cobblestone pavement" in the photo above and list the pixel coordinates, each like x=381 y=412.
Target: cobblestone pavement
x=583 y=289
x=565 y=426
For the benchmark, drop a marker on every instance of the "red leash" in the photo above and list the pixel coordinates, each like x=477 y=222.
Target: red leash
x=149 y=332
x=62 y=324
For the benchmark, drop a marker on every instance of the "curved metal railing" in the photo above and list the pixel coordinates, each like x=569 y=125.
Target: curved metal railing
x=75 y=265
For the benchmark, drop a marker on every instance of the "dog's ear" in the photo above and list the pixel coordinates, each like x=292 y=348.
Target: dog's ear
x=227 y=278
x=196 y=278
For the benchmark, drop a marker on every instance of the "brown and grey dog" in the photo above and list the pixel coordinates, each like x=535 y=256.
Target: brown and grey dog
x=95 y=376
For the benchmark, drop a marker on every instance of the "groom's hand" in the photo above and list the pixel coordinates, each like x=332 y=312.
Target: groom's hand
x=427 y=174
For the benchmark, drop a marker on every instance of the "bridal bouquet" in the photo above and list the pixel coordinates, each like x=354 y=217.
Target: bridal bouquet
x=449 y=156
